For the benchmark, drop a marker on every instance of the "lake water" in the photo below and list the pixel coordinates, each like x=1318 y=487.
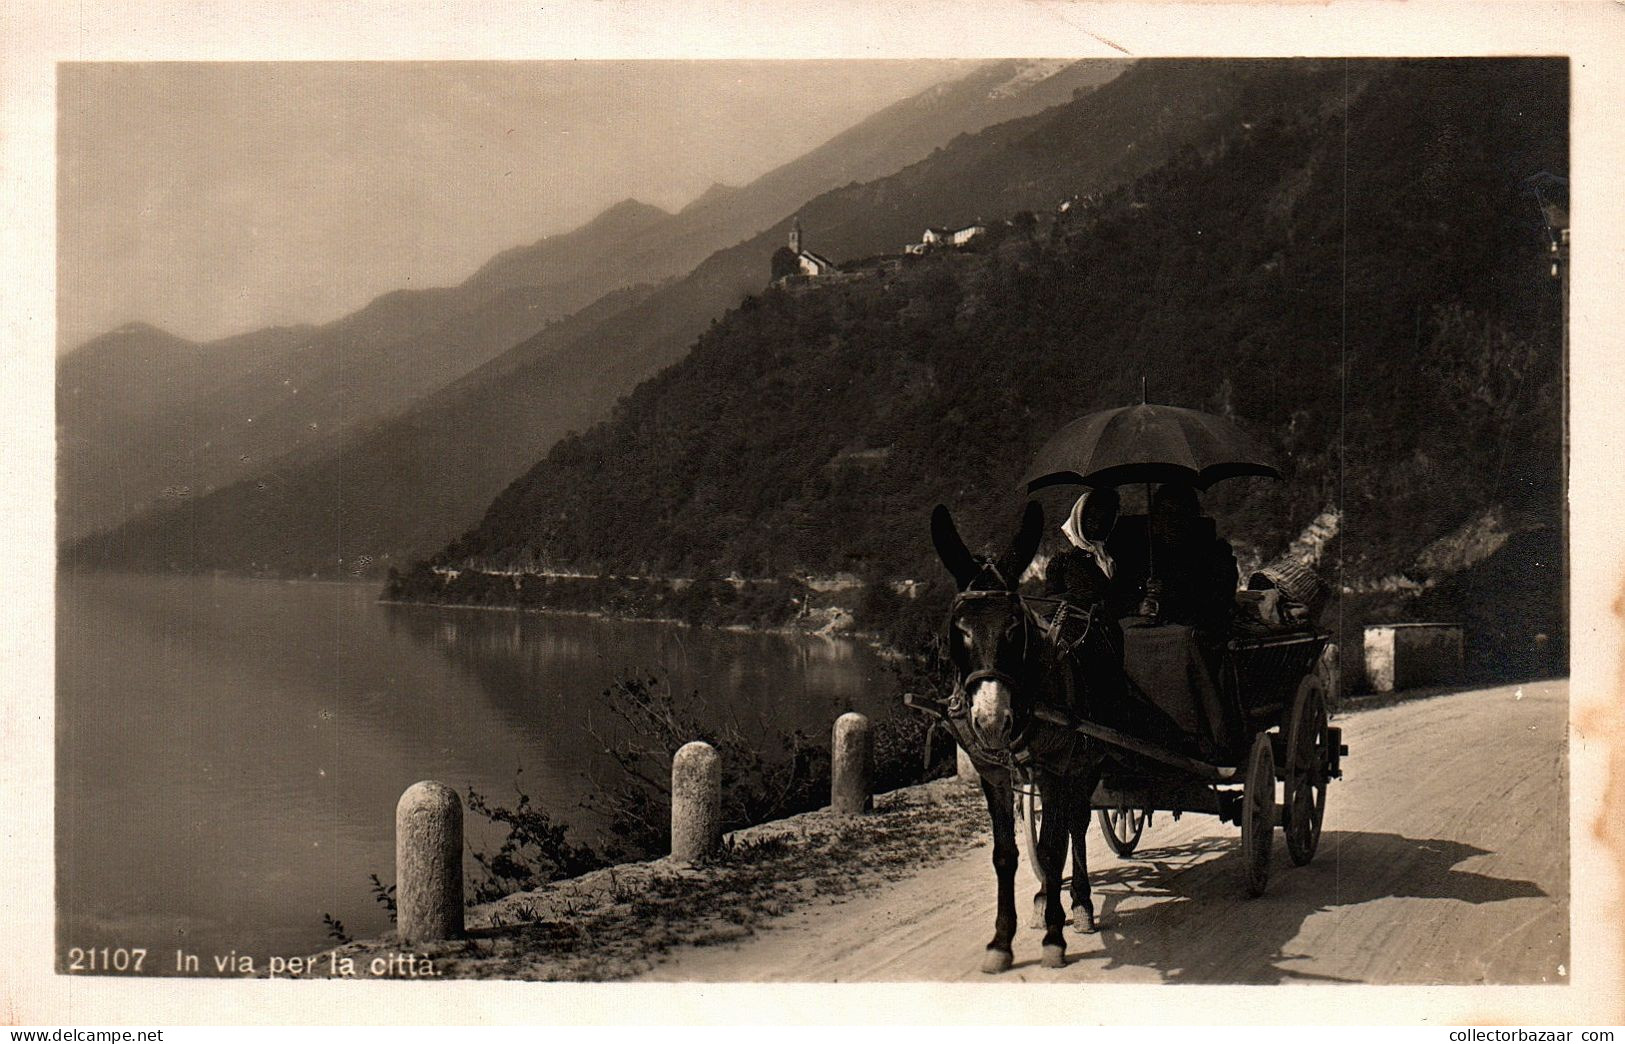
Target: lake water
x=229 y=752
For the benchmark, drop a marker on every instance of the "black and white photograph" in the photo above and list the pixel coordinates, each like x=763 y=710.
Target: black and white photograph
x=906 y=514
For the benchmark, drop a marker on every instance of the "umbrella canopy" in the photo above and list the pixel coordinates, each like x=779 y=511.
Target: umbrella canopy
x=1148 y=443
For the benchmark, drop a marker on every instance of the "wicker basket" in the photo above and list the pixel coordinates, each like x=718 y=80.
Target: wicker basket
x=1295 y=580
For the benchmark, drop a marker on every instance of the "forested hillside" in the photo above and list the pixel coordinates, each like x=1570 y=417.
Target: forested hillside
x=1346 y=259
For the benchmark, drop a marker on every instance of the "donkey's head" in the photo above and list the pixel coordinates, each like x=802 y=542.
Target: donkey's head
x=991 y=639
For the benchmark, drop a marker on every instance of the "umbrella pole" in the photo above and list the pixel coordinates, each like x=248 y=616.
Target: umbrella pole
x=1149 y=605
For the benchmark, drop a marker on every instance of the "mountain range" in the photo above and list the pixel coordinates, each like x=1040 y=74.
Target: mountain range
x=151 y=425
x=1342 y=255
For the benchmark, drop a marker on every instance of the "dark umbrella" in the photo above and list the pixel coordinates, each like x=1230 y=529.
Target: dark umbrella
x=1148 y=443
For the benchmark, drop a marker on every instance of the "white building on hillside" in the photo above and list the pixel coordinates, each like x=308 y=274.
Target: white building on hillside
x=936 y=238
x=810 y=264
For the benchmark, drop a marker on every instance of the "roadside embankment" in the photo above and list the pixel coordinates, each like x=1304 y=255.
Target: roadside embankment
x=621 y=921
x=616 y=922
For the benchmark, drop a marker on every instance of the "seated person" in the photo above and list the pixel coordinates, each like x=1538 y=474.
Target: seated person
x=1130 y=549
x=1082 y=574
x=1193 y=570
x=1081 y=577
x=1173 y=565
x=1086 y=578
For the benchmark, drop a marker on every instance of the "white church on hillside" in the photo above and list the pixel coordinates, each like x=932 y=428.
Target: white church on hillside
x=807 y=262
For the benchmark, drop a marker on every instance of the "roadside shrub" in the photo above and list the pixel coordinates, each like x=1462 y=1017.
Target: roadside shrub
x=764 y=775
x=535 y=851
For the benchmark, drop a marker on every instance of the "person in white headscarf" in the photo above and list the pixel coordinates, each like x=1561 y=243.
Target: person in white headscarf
x=1090 y=523
x=1082 y=575
x=1085 y=625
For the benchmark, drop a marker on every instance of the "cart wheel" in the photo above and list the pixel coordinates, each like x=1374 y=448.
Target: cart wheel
x=1258 y=815
x=1121 y=827
x=1307 y=757
x=1030 y=817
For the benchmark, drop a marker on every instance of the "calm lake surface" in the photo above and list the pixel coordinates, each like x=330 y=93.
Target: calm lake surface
x=229 y=752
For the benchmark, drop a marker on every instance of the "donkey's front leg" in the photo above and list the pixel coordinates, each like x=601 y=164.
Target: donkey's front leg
x=1083 y=907
x=1052 y=840
x=999 y=806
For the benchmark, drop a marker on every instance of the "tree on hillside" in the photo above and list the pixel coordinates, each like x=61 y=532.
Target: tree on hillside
x=784 y=263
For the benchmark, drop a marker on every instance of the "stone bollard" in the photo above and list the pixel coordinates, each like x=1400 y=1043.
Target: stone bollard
x=967 y=768
x=852 y=759
x=428 y=863
x=696 y=802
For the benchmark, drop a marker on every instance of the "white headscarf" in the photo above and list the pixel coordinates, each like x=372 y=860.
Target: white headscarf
x=1073 y=528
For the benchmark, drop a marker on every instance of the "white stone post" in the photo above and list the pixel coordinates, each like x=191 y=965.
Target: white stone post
x=852 y=757
x=967 y=768
x=696 y=802
x=428 y=863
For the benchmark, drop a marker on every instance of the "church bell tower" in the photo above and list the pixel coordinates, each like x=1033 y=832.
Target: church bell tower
x=795 y=236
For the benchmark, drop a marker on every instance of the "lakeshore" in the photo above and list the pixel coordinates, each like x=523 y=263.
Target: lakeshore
x=298 y=712
x=617 y=922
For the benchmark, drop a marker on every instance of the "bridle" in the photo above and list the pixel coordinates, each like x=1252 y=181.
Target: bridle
x=958 y=706
x=1032 y=618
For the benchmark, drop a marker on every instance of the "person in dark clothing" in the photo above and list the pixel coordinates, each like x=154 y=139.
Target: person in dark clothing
x=1175 y=590
x=1193 y=569
x=1089 y=581
x=1082 y=575
x=1083 y=625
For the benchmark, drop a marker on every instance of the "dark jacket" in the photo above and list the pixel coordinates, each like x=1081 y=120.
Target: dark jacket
x=1194 y=567
x=1094 y=644
x=1074 y=575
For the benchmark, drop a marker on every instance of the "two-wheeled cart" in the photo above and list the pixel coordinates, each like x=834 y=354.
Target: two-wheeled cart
x=1273 y=691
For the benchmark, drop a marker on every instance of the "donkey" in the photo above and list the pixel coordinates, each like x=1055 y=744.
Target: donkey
x=1005 y=669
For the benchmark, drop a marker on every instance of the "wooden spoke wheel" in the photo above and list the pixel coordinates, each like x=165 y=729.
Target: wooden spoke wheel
x=1029 y=820
x=1308 y=759
x=1258 y=815
x=1121 y=827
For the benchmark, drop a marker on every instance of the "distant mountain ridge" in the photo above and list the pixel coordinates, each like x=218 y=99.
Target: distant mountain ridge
x=255 y=397
x=657 y=245
x=613 y=235
x=1349 y=264
x=1101 y=139
x=131 y=438
x=281 y=405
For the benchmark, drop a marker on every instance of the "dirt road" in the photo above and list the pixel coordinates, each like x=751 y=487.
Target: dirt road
x=1444 y=859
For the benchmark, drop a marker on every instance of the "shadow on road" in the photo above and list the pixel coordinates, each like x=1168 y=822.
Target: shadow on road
x=1189 y=931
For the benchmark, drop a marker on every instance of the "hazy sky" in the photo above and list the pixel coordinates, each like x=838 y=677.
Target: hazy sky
x=210 y=199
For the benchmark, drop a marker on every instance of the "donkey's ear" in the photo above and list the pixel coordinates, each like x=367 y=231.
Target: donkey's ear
x=960 y=562
x=1025 y=545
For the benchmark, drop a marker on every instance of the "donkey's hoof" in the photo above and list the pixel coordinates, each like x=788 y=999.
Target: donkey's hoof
x=996 y=961
x=1083 y=919
x=1054 y=956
